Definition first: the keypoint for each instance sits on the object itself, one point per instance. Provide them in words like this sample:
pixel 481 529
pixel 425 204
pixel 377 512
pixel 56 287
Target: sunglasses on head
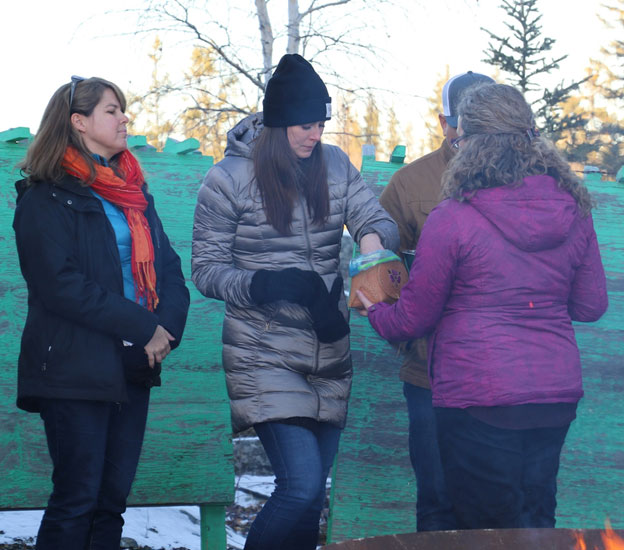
pixel 74 81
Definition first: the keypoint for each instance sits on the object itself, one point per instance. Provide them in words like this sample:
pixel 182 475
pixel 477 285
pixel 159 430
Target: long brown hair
pixel 281 176
pixel 44 157
pixel 504 147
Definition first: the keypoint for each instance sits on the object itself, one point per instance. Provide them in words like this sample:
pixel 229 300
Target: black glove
pixel 292 284
pixel 328 321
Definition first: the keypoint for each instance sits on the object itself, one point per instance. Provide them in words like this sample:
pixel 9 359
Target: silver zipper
pixel 44 367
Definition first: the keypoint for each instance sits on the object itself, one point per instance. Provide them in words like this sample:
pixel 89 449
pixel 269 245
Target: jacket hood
pixel 240 138
pixel 534 215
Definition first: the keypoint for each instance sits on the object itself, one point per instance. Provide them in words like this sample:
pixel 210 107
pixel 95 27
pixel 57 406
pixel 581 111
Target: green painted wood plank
pixel 189 145
pixel 136 142
pixel 15 134
pixel 398 154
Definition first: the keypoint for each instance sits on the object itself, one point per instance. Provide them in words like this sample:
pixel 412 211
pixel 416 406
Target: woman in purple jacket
pixel 503 267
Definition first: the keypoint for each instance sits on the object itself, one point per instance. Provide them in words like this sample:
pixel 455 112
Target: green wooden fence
pixel 187 456
pixel 373 490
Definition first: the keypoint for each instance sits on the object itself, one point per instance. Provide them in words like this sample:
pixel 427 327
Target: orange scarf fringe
pixel 125 193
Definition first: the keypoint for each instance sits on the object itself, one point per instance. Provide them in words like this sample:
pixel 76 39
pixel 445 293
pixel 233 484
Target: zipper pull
pixel 44 367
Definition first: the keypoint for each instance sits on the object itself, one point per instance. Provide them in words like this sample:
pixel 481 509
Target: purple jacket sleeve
pixel 431 278
pixel 588 296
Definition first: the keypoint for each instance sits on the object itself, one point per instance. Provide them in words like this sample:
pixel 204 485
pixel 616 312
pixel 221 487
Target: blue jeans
pixel 499 478
pixel 434 511
pixel 95 448
pixel 301 460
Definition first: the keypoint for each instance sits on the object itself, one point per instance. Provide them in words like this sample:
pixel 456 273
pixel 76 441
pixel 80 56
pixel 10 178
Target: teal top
pixel 117 219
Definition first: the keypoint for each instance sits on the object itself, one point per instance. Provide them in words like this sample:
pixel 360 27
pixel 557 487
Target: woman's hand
pixel 369 243
pixel 158 347
pixel 367 303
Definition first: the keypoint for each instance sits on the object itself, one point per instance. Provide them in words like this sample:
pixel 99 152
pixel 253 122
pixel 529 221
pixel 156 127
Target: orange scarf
pixel 125 193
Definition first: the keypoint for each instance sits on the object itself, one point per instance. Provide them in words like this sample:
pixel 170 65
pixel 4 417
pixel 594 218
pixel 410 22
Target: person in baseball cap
pixel 412 193
pixel 451 93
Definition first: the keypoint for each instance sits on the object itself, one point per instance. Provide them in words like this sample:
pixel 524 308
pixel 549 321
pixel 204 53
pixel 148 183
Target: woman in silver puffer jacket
pixel 266 240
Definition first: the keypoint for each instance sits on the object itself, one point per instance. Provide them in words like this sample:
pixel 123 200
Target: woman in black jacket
pixel 106 304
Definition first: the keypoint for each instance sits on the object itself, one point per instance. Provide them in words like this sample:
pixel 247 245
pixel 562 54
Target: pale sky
pixel 44 42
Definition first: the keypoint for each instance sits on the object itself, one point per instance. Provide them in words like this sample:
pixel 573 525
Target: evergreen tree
pixel 371 123
pixel 601 141
pixel 607 84
pixel 612 68
pixel 411 151
pixel 347 133
pixel 522 53
pixel 597 141
pixel 212 94
pixel 146 113
pixel 434 136
pixel 393 135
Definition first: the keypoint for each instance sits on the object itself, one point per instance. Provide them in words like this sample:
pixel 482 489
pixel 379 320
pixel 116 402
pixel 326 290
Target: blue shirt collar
pixel 100 159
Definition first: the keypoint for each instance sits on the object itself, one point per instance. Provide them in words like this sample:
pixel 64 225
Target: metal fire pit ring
pixel 481 539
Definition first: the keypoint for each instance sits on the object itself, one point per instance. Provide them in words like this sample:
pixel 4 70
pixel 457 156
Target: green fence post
pixel 212 521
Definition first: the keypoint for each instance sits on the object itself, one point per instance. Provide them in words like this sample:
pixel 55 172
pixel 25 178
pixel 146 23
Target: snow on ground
pixel 156 527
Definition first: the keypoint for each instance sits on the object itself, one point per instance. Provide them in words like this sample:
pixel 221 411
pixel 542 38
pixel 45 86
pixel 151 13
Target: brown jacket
pixel 412 193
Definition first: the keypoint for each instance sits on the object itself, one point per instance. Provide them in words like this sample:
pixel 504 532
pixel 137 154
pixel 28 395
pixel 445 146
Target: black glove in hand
pixel 328 321
pixel 292 284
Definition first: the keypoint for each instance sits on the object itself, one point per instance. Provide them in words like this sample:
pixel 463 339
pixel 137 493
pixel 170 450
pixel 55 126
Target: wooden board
pixel 374 490
pixel 187 455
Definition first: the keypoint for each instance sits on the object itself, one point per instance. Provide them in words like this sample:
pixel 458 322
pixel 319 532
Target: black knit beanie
pixel 295 94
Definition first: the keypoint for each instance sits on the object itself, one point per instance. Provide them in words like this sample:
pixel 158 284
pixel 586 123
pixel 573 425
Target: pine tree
pixel 612 69
pixel 522 53
pixel 393 135
pixel 601 141
pixel 607 83
pixel 347 132
pixel 212 114
pixel 434 137
pixel 411 151
pixel 371 123
pixel 146 112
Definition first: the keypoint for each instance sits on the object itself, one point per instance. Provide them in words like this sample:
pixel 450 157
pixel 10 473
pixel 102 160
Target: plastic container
pixel 380 275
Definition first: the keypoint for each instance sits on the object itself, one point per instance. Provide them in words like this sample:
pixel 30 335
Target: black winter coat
pixel 72 343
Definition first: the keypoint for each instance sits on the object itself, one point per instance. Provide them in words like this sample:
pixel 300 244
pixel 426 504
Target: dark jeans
pixel 301 460
pixel 434 511
pixel 95 448
pixel 499 478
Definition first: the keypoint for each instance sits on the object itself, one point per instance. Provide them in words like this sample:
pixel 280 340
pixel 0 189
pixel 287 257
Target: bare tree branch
pixel 233 61
pixel 314 7
pixel 266 39
pixel 220 49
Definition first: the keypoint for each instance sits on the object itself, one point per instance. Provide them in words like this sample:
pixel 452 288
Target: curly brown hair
pixel 504 147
